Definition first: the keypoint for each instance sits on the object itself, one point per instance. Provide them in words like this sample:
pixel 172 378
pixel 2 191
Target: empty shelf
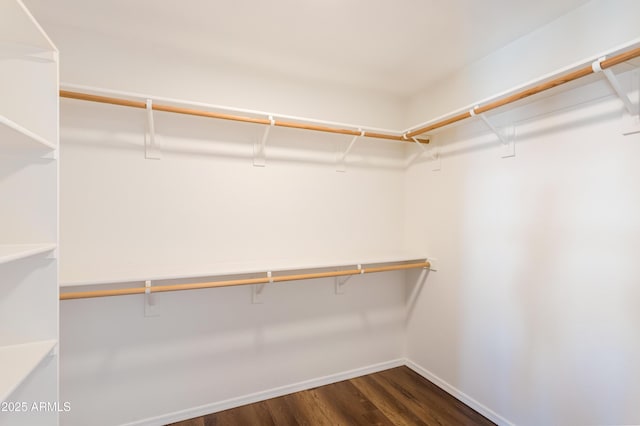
pixel 15 139
pixel 9 253
pixel 18 361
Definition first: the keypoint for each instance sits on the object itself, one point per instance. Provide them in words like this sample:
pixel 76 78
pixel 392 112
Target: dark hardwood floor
pixel 393 397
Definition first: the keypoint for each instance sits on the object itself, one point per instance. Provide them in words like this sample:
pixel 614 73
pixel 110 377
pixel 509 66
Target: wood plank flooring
pixel 397 396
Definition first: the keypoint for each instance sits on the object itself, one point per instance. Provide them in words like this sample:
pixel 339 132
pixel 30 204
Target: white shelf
pixel 26 52
pixel 243 268
pixel 15 139
pixel 19 27
pixel 9 253
pixel 18 361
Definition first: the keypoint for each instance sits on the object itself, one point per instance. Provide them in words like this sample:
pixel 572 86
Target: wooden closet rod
pixel 573 75
pixel 223 116
pixel 245 281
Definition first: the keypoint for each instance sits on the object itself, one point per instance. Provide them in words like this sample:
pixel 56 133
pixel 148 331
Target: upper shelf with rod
pixel 240 268
pixel 603 64
pixel 267 276
pixel 410 135
pixel 233 114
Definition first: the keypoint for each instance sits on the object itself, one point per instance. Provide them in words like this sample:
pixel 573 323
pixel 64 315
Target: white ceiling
pixel 395 46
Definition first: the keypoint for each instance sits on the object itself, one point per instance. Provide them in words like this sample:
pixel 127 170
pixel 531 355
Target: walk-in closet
pixel 328 213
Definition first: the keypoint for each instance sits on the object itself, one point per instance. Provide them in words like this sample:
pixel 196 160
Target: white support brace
pixel 151 147
pixel 339 283
pixel 506 136
pixel 257 289
pixel 256 293
pixel 434 154
pixel 341 160
pixel 259 157
pixel 151 308
pixel 631 123
pixel 433 262
pixel 615 84
pixel 613 80
pixel 420 145
pixel 414 156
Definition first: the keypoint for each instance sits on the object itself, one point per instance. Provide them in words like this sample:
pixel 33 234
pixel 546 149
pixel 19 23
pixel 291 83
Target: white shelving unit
pixel 28 216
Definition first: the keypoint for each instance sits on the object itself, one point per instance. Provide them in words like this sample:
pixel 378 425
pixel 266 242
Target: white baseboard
pixel 458 394
pixel 267 394
pixel 321 381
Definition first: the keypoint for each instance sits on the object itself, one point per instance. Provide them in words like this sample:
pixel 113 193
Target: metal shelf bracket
pixel 151 307
pixel 259 157
pixel 341 159
pixel 151 147
pixel 631 122
pixel 433 152
pixel 505 135
pixel 341 281
pixel 615 85
pixel 258 289
pixel 433 262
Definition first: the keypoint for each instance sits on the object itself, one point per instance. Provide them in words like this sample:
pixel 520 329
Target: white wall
pixel 534 310
pixel 531 313
pixel 204 201
pixel 202 204
pixel 583 33
pixel 132 65
pixel 209 346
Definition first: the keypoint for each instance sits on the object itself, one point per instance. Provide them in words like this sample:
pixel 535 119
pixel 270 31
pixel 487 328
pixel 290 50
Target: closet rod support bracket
pixel 151 307
pixel 258 289
pixel 631 123
pixel 152 149
pixel 341 281
pixel 596 66
pixel 341 157
pixel 433 152
pixel 505 135
pixel 259 156
pixel 433 263
pixel 256 293
pixel 417 142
